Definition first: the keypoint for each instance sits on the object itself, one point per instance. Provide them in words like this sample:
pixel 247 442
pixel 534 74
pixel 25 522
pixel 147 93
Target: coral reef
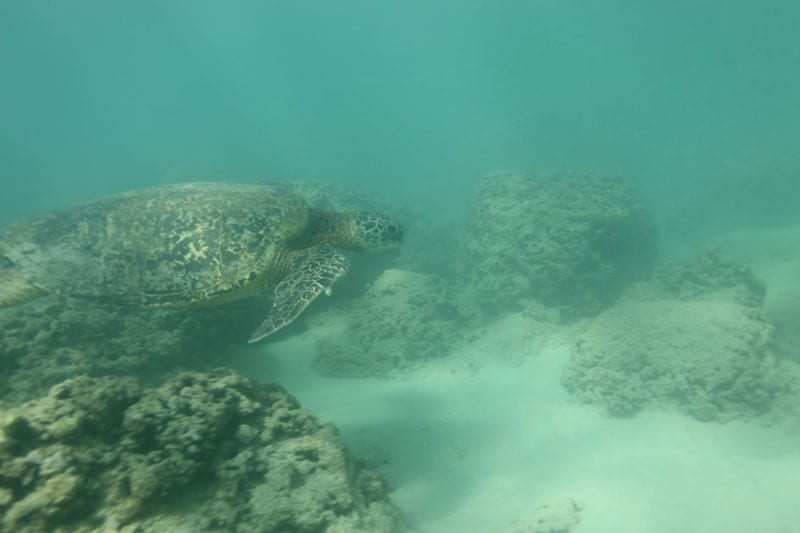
pixel 203 452
pixel 694 337
pixel 710 273
pixel 569 240
pixel 404 318
pixel 48 341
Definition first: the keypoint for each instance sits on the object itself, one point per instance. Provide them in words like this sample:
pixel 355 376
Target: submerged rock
pixel 49 341
pixel 710 273
pixel 204 452
pixel 403 319
pixel 571 241
pixel 694 338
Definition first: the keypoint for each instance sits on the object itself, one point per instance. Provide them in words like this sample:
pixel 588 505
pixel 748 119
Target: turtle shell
pixel 178 245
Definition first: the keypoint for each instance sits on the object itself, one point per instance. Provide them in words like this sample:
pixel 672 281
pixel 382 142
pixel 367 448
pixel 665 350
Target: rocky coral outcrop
pixel 403 319
pixel 710 274
pixel 46 342
pixel 204 452
pixel 694 338
pixel 571 241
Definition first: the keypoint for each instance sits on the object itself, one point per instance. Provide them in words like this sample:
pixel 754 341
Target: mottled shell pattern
pixel 180 245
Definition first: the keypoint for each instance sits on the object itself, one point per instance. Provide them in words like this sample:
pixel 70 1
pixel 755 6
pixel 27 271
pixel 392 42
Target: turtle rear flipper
pixel 315 271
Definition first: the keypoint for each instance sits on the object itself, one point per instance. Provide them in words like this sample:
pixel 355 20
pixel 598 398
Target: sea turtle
pixel 189 245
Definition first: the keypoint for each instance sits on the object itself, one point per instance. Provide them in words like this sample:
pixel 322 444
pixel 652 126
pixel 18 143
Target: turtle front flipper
pixel 14 287
pixel 314 272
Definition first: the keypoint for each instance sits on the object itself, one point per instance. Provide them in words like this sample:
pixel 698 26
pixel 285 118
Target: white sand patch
pixel 477 450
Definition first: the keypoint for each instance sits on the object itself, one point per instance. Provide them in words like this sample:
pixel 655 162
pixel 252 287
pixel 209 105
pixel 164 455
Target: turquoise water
pixel 696 104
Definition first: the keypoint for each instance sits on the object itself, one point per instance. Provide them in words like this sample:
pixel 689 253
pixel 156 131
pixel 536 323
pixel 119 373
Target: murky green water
pixel 695 105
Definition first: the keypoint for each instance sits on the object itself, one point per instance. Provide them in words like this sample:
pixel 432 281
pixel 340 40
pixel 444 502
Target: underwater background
pixel 695 103
pixel 462 119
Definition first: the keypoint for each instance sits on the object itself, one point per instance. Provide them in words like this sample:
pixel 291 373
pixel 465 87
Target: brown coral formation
pixel 404 319
pixel 694 338
pixel 204 452
pixel 571 241
pixel 57 338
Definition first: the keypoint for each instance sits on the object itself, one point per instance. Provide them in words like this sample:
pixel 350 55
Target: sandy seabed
pixel 479 447
pixel 487 438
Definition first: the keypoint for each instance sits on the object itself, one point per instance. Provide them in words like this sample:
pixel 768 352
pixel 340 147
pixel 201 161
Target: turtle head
pixel 375 231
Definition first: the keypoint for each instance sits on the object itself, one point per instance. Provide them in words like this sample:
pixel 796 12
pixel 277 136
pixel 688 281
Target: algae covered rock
pixel 204 452
pixel 403 319
pixel 710 273
pixel 570 240
pixel 49 341
pixel 694 338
